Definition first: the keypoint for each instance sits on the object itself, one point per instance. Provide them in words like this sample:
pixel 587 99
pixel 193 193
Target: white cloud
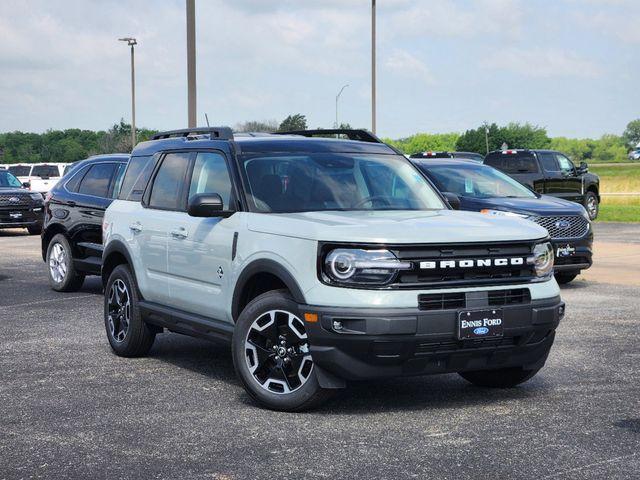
pixel 403 63
pixel 545 63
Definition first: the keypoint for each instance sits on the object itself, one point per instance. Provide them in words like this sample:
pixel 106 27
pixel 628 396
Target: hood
pixel 543 205
pixel 13 190
pixel 396 227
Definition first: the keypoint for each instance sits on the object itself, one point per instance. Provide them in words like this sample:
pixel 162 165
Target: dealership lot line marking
pixel 39 302
pixel 602 462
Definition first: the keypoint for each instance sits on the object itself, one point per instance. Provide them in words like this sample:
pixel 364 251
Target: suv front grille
pixel 565 226
pixel 466 264
pixel 458 300
pixel 6 200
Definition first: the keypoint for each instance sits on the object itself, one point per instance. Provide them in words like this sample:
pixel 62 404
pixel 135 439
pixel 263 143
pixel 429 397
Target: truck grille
pixel 6 200
pixel 464 264
pixel 566 226
pixel 457 300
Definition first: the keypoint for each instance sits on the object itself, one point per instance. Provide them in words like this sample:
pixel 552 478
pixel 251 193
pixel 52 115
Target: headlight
pixel 501 213
pixel 362 267
pixel 35 196
pixel 542 259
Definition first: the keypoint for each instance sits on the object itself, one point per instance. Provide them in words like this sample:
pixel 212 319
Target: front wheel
pixel 501 378
pixel 271 355
pixel 591 205
pixel 564 278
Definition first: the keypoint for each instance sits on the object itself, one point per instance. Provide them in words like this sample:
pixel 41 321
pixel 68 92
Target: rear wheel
pixel 271 355
pixel 591 205
pixel 128 334
pixel 63 276
pixel 564 278
pixel 501 378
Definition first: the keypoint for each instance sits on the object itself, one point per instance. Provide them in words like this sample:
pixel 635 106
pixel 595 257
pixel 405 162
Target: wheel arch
pixel 261 276
pixel 50 232
pixel 116 253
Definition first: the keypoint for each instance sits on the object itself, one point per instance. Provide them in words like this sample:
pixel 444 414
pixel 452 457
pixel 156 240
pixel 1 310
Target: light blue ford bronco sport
pixel 322 260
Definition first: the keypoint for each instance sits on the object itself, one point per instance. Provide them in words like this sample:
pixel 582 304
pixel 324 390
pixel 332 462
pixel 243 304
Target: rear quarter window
pixel 136 177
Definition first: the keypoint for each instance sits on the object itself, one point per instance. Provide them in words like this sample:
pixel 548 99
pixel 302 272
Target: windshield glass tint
pixel 475 181
pixel 8 180
pixel 329 181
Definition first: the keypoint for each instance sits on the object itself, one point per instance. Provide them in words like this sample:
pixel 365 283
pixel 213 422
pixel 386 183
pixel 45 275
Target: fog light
pixel 337 325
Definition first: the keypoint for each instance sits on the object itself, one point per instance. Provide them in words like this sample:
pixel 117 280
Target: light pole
pixel 132 43
pixel 486 136
pixel 191 62
pixel 373 66
pixel 338 98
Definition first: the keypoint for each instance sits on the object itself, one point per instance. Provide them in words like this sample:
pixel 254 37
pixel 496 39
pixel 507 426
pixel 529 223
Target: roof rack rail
pixel 222 133
pixel 352 134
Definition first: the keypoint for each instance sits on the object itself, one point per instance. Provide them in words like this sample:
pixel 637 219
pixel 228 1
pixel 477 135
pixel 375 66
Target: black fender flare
pixel 116 246
pixel 265 266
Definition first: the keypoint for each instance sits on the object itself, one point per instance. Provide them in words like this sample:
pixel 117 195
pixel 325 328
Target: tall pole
pixel 373 66
pixel 191 62
pixel 486 136
pixel 132 42
pixel 338 98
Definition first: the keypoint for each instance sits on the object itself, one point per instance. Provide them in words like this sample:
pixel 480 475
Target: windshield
pixel 477 181
pixel 330 181
pixel 8 180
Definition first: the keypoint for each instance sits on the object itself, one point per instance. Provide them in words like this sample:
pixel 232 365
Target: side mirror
pixel 205 205
pixel 453 200
pixel 26 185
pixel 584 168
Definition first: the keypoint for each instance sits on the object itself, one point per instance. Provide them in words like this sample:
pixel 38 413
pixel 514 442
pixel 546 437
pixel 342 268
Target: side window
pixel 548 162
pixel 566 165
pixel 210 175
pixel 96 181
pixel 167 188
pixel 117 182
pixel 520 164
pixel 136 177
pixel 74 182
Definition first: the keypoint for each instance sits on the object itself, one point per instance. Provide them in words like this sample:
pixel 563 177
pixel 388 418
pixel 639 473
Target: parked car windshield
pixel 330 181
pixel 477 181
pixel 8 180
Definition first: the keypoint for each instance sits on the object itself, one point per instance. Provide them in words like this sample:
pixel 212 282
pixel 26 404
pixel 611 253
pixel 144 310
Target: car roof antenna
pixel 206 117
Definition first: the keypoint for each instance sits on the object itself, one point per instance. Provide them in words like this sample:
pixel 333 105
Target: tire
pixel 564 278
pixel 63 277
pixel 591 204
pixel 35 230
pixel 501 378
pixel 128 334
pixel 284 379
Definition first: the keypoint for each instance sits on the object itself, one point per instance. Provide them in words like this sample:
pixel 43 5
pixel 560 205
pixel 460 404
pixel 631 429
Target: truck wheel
pixel 128 334
pixel 564 278
pixel 63 276
pixel 501 378
pixel 271 355
pixel 591 205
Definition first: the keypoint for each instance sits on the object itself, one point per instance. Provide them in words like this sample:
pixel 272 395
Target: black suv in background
pixel 19 208
pixel 476 157
pixel 551 173
pixel 72 234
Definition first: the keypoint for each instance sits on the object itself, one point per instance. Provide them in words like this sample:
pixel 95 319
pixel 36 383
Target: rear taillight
pixel 509 152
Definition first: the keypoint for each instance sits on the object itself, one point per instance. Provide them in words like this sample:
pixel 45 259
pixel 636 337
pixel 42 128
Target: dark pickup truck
pixel 551 173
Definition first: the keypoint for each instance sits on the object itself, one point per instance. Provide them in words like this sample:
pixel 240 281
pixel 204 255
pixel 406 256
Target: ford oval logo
pixel 481 330
pixel 14 200
pixel 563 224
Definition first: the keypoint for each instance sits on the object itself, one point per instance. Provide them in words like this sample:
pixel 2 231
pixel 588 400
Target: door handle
pixel 71 203
pixel 179 233
pixel 136 227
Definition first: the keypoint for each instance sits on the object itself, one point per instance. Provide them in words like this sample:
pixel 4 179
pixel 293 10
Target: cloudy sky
pixel 443 65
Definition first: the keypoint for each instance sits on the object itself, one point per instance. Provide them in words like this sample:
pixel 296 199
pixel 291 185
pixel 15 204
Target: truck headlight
pixel 542 259
pixel 36 196
pixel 362 267
pixel 502 213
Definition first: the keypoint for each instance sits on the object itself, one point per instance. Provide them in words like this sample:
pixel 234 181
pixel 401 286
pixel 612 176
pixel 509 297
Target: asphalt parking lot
pixel 69 408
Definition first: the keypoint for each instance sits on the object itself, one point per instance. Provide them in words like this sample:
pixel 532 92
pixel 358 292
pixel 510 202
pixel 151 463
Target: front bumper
pixel 27 217
pixel 378 343
pixel 579 259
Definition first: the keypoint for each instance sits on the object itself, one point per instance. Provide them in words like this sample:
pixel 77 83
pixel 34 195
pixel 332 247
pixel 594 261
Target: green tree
pixel 516 135
pixel 631 134
pixel 293 122
pixel 476 140
pixel 422 142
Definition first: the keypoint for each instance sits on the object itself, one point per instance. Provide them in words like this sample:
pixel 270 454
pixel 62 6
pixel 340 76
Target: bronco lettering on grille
pixel 470 263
